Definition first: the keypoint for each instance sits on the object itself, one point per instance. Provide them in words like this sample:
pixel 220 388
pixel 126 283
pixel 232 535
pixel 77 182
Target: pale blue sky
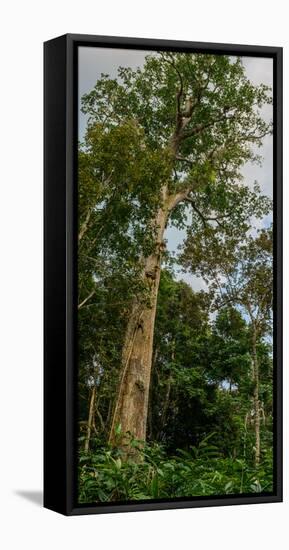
pixel 94 61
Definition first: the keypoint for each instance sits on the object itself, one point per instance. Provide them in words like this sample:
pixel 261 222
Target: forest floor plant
pixel 200 471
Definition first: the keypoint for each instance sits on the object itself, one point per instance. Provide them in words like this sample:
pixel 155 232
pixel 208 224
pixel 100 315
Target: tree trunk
pixel 256 396
pixel 131 406
pixel 166 403
pixel 149 433
pixel 90 420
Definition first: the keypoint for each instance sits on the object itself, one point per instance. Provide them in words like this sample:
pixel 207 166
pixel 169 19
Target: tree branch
pixel 201 127
pixel 184 159
pixel 204 218
pixel 85 300
pixel 180 91
pixel 84 226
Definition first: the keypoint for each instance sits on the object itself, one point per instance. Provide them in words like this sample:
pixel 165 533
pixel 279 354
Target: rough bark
pixel 131 406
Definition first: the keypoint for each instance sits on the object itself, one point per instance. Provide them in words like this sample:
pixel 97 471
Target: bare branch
pixel 84 226
pixel 203 218
pixel 85 300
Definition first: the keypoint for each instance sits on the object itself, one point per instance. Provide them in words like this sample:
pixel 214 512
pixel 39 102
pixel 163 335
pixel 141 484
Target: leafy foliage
pixel 201 471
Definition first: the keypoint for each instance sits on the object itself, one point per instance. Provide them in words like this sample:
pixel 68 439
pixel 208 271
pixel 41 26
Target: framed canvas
pixel 163 274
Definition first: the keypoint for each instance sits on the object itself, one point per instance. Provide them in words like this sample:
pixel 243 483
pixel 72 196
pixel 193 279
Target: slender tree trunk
pixel 167 395
pixel 256 396
pixel 131 406
pixel 150 405
pixel 165 409
pixel 90 420
pixel 108 416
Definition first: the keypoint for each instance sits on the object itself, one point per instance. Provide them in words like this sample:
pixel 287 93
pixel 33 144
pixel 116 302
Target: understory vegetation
pixel 200 471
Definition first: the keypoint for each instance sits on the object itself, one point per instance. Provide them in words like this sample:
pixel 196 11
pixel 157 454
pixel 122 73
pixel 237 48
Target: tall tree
pixel 188 122
pixel 240 274
pixel 252 287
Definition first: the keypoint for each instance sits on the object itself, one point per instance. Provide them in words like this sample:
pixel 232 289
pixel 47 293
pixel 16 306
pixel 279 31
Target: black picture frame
pixel 60 275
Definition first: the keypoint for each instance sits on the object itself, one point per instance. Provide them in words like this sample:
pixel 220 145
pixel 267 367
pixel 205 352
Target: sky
pixel 93 61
